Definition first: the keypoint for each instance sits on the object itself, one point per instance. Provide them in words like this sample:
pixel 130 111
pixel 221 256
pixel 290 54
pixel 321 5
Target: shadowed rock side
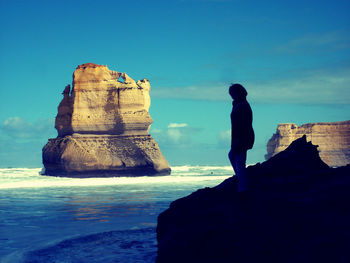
pixel 103 124
pixel 333 139
pixel 298 211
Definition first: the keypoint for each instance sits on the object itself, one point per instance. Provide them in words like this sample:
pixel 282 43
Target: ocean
pixel 53 219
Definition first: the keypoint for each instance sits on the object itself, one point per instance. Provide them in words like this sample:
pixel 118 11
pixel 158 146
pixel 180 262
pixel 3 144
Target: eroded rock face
pixel 333 139
pixel 99 103
pixel 103 124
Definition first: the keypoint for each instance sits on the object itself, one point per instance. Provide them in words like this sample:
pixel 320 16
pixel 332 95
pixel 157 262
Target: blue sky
pixel 292 56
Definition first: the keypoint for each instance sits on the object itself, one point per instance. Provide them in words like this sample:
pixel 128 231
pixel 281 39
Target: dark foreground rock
pixel 298 210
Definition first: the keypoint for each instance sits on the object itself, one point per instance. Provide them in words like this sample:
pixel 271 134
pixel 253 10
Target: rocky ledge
pixel 297 211
pixel 333 139
pixel 103 128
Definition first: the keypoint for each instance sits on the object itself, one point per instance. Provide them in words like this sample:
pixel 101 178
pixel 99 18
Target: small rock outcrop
pixel 333 139
pixel 297 211
pixel 103 124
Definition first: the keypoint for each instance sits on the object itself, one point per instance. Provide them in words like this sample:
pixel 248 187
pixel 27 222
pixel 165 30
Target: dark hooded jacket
pixel 242 133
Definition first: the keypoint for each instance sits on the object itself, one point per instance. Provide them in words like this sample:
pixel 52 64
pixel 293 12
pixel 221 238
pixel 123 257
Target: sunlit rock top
pixel 104 101
pixel 333 139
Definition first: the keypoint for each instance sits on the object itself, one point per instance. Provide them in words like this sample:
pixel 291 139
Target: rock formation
pixel 333 139
pixel 297 211
pixel 103 124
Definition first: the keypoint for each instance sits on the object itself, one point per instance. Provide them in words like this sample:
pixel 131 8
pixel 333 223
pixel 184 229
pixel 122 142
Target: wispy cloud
pixel 305 87
pixel 176 134
pixel 224 138
pixel 19 128
pixel 216 91
pixel 21 141
pixel 177 125
pixel 326 41
pixel 315 87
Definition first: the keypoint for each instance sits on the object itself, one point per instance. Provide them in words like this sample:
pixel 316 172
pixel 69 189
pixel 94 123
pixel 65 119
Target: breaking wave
pixel 12 178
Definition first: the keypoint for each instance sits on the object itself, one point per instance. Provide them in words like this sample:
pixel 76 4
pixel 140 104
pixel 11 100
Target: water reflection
pixel 102 208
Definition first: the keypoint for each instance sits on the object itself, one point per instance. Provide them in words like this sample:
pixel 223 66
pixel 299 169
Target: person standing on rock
pixel 242 134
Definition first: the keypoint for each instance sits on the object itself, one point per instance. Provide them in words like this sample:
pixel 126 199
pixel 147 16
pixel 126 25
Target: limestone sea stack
pixel 103 128
pixel 333 139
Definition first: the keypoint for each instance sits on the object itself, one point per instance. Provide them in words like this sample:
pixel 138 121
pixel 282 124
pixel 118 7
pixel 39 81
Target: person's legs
pixel 238 162
pixel 241 171
pixel 232 160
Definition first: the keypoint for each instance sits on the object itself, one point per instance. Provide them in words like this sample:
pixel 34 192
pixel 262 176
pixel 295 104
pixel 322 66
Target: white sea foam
pixel 198 167
pixel 11 178
pixel 59 182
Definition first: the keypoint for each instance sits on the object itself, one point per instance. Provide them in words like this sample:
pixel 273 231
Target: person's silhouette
pixel 242 133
